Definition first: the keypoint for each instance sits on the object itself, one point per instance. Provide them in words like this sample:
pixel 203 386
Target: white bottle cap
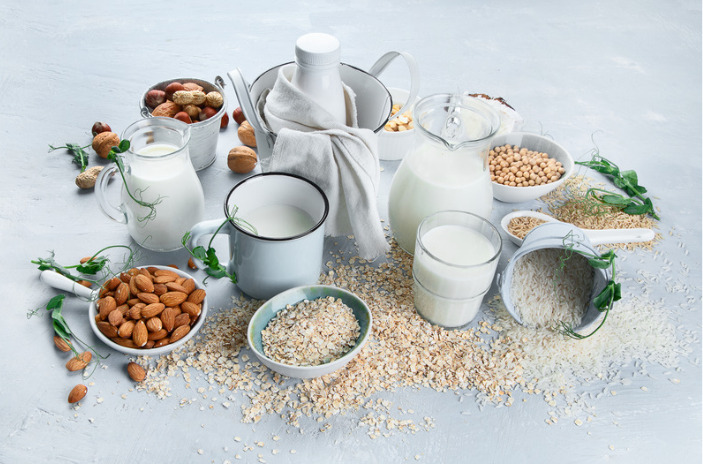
pixel 317 49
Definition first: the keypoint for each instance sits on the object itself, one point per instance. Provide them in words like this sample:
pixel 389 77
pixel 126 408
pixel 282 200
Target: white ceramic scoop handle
pixel 600 237
pixel 60 282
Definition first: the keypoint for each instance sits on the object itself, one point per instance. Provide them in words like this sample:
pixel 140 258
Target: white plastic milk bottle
pixel 317 58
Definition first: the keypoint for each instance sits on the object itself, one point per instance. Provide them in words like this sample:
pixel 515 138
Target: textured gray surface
pixel 624 74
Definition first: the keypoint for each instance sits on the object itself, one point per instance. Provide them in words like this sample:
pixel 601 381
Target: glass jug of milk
pixel 161 197
pixel 448 168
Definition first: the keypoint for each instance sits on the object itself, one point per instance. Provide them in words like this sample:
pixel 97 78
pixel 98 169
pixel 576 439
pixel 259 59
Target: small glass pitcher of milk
pixel 448 167
pixel 159 173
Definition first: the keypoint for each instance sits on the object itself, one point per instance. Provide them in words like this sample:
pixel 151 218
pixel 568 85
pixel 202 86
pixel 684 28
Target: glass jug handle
pixel 113 212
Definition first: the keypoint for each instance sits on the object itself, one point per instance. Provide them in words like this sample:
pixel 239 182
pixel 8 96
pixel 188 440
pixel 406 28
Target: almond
pixel 174 287
pixel 62 344
pixel 192 309
pixel 77 393
pixel 143 283
pixel 124 277
pixel 154 324
pixel 133 289
pixel 135 312
pixel 115 317
pixel 124 309
pixel 179 333
pixel 140 335
pixel 107 329
pixel 168 318
pixel 152 310
pixel 105 306
pixel 162 342
pixel 125 330
pixel 121 293
pixel 148 298
pixel 79 362
pixel 126 342
pixel 197 296
pixel 132 301
pixel 113 283
pixel 166 272
pixel 181 320
pixel 189 285
pixel 149 344
pixel 160 289
pixel 173 298
pixel 162 279
pixel 136 372
pixel 158 335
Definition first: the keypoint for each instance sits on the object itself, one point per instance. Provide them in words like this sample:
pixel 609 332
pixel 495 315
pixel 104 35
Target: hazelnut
pixel 224 121
pixel 183 97
pixel 207 113
pixel 86 179
pixel 100 127
pixel 167 109
pixel 246 134
pixel 238 115
pixel 193 111
pixel 154 98
pixel 192 86
pixel 103 143
pixel 183 116
pixel 241 160
pixel 214 99
pixel 172 88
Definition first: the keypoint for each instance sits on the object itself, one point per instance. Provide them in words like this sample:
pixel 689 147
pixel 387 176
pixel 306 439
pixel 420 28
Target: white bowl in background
pixel 394 146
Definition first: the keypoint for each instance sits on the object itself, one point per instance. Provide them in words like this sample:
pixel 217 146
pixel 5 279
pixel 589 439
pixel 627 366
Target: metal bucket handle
pixel 382 63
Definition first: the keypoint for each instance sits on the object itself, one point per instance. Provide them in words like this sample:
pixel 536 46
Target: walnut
pixel 104 141
pixel 246 134
pixel 241 159
pixel 167 109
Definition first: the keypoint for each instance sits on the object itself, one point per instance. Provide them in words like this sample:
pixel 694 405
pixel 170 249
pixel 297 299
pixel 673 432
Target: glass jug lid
pixel 455 121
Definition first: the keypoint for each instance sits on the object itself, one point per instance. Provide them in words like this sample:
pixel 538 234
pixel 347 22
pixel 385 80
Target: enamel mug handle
pixel 385 60
pixel 56 280
pixel 113 212
pixel 201 229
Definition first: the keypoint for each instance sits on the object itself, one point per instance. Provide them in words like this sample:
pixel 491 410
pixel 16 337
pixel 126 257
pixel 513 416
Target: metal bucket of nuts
pixel 193 101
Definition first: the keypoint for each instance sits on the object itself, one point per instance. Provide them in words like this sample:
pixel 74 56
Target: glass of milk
pixel 158 172
pixel 456 255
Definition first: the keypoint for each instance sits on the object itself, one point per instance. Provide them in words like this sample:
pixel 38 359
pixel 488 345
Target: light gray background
pixel 626 74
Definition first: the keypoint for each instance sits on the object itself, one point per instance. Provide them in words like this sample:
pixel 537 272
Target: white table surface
pixel 626 74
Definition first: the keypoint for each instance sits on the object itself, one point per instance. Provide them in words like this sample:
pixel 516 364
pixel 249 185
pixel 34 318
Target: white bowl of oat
pixel 309 331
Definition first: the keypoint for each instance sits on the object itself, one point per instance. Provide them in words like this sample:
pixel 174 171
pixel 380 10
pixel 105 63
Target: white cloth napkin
pixel 342 160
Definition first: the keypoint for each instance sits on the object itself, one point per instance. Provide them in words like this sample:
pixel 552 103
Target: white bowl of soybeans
pixel 525 166
pixel 397 137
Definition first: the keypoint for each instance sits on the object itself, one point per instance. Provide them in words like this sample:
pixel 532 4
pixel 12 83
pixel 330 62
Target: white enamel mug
pixel 288 213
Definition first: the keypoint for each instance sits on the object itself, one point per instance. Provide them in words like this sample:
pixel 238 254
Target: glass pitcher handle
pixel 113 212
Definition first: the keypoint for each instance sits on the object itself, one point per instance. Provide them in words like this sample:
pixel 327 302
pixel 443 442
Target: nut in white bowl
pixel 533 142
pixel 93 312
pixel 394 145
